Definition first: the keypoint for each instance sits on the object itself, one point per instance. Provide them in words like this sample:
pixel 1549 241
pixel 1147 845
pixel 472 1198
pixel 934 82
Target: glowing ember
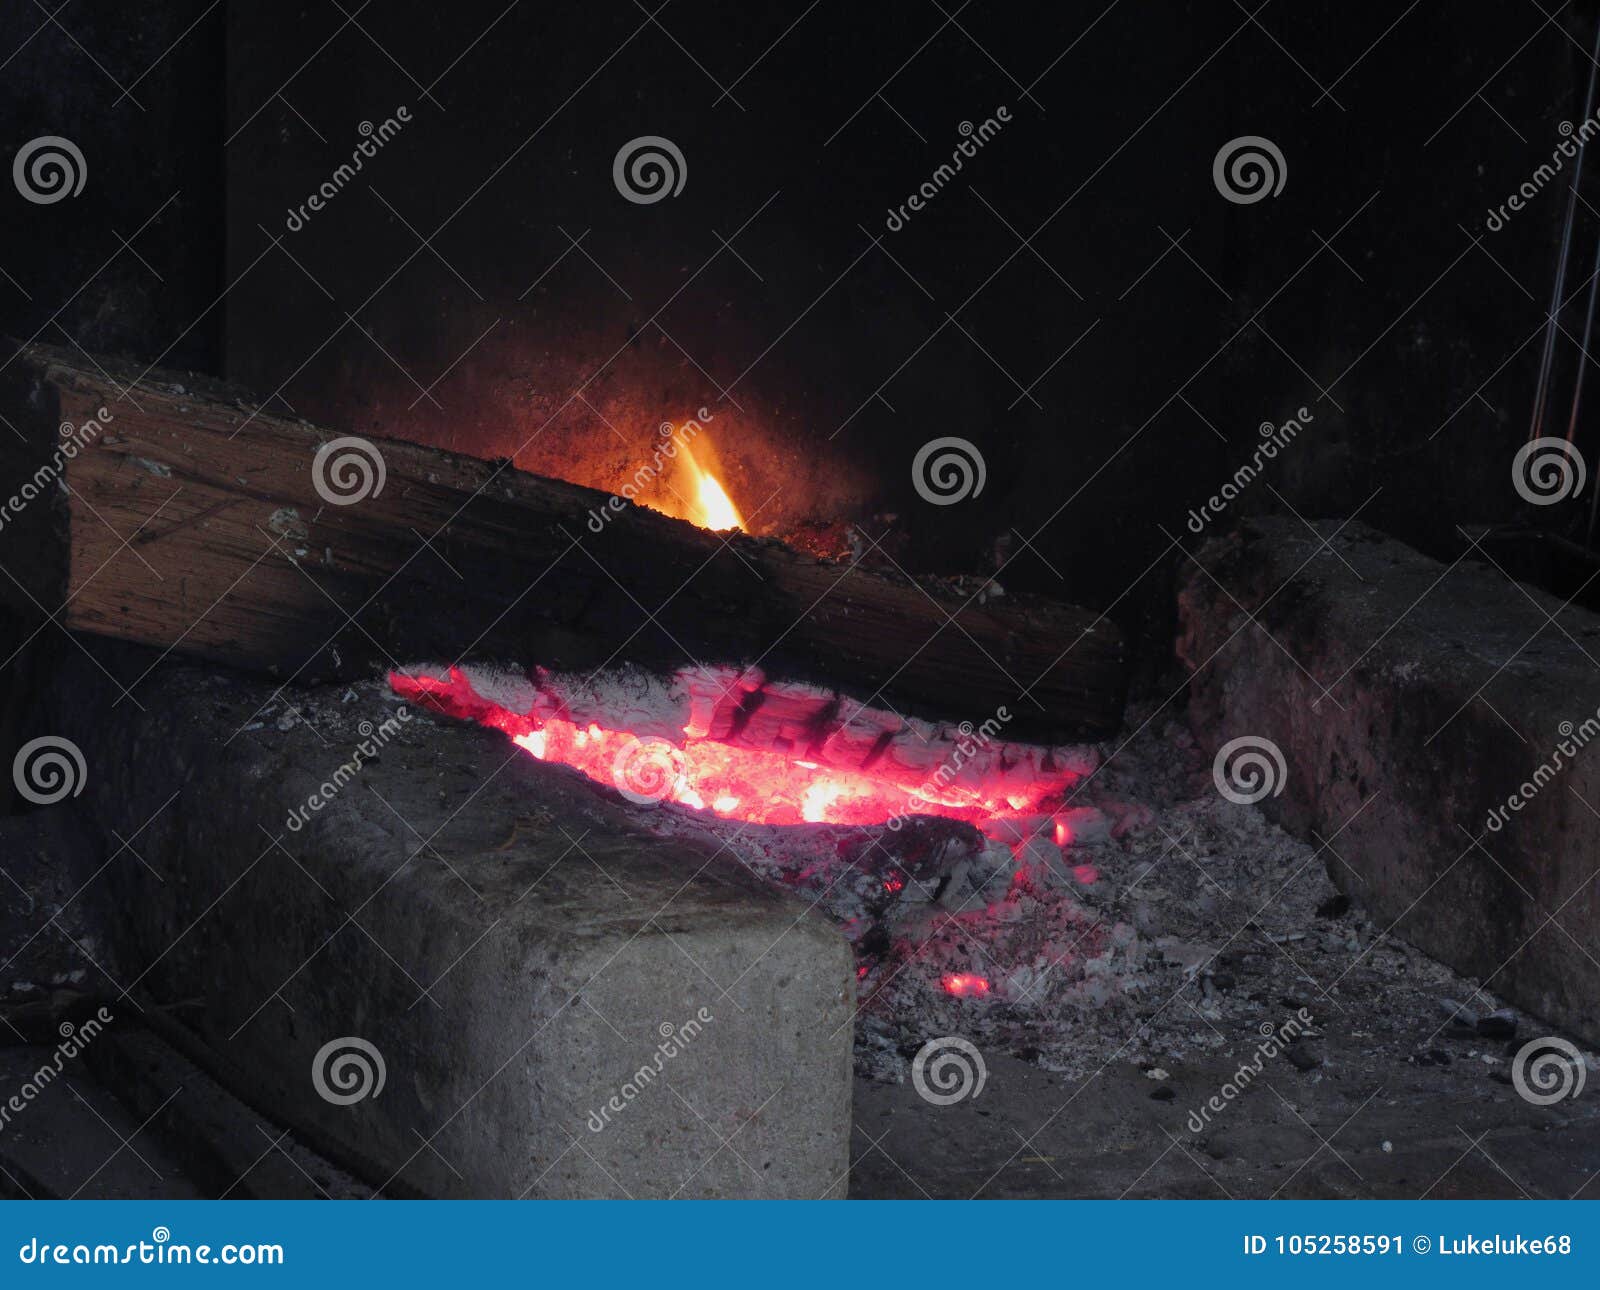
pixel 965 985
pixel 746 784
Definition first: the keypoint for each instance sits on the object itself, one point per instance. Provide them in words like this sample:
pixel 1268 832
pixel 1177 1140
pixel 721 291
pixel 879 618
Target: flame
pixel 710 507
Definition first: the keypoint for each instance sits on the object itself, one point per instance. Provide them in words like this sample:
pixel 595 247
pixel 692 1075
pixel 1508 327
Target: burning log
pixel 168 510
pixel 754 749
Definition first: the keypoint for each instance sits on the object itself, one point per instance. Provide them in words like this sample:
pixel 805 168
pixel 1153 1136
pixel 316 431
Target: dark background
pixel 828 348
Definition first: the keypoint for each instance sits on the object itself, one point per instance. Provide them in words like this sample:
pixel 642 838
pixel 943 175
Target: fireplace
pixel 611 603
pixel 471 774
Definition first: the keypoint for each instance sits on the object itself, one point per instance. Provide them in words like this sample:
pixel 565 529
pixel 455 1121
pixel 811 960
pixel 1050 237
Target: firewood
pixel 746 709
pixel 167 509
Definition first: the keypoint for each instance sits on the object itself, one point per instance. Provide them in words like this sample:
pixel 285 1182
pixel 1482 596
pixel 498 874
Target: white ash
pixel 1200 927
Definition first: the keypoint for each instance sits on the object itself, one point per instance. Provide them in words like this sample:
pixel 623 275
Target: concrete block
pixel 1413 702
pixel 560 1004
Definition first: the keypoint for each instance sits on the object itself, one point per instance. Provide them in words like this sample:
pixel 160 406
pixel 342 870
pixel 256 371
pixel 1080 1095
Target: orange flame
pixel 709 506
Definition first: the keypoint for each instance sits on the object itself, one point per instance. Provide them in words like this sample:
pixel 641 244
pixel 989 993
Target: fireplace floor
pixel 1452 1133
pixel 1109 1139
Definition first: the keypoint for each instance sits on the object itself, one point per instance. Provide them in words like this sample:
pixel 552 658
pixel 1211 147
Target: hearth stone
pixel 1449 688
pixel 528 961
